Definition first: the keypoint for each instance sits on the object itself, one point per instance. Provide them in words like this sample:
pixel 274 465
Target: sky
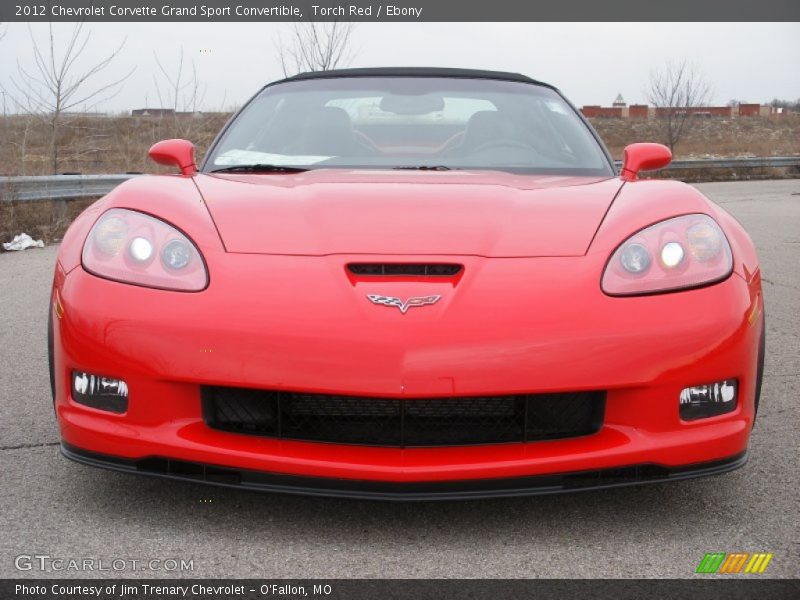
pixel 590 62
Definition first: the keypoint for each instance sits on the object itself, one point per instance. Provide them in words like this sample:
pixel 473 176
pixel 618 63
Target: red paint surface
pixel 645 156
pixel 175 153
pixel 526 315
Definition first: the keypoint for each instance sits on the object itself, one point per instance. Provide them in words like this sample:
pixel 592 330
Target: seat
pixel 327 131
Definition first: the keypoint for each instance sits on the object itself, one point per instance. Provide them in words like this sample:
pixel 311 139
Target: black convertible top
pixel 416 72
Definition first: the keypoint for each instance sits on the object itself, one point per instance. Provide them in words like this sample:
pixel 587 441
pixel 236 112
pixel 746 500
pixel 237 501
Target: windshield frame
pixel 207 167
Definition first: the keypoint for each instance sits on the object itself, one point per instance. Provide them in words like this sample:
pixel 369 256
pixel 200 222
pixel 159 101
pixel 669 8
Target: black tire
pixel 50 352
pixel 762 344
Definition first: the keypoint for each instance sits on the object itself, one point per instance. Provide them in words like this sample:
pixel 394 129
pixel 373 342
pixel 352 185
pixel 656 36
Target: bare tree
pixel 679 88
pixel 788 105
pixel 3 30
pixel 58 83
pixel 316 46
pixel 180 91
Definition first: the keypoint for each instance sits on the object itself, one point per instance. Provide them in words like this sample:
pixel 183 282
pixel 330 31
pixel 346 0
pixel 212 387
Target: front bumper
pixel 536 485
pixel 304 331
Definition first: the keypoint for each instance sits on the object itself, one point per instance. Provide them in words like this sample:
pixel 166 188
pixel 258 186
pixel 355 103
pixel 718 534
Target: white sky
pixel 590 62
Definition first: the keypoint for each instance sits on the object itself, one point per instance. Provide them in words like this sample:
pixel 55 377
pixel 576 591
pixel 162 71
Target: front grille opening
pixel 405 269
pixel 403 423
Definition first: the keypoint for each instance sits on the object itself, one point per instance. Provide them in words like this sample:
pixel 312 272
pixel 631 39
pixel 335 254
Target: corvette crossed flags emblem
pixel 398 303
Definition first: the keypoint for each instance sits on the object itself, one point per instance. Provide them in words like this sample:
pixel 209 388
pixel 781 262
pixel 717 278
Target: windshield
pixel 410 122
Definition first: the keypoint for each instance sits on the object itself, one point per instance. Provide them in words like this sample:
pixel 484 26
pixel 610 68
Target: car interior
pixel 368 128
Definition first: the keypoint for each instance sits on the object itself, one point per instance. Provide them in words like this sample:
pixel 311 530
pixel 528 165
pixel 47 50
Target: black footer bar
pixel 734 588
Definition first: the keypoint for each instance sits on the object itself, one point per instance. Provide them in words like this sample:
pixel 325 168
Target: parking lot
pixel 55 507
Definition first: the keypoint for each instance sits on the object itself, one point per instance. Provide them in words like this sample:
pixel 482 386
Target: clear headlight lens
pixel 141 249
pixel 111 234
pixel 176 255
pixel 691 251
pixel 635 259
pixel 704 241
pixel 672 254
pixel 122 246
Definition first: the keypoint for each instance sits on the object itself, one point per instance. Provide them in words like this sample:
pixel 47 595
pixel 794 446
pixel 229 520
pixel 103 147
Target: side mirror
pixel 644 157
pixel 175 153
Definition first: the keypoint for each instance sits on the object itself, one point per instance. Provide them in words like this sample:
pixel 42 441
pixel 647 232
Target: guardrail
pixel 68 187
pixel 58 187
pixel 731 163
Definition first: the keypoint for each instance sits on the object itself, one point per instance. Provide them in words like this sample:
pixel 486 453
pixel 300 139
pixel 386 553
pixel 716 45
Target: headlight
pixel 132 247
pixel 635 259
pixel 675 254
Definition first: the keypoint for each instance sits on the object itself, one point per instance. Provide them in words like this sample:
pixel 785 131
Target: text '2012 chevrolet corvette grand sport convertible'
pixel 407 284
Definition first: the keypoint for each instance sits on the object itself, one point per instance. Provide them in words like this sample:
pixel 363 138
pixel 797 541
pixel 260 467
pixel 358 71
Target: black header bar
pixel 400 10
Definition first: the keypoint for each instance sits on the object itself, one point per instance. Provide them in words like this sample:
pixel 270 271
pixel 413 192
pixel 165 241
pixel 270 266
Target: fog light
pixel 103 393
pixel 709 400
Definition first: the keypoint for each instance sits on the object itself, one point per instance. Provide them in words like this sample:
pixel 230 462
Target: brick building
pixel 619 109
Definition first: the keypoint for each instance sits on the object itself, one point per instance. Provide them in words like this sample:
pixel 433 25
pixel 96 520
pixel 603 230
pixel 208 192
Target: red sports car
pixel 407 284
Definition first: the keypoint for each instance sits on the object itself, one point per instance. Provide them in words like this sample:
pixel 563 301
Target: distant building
pixel 619 109
pixel 169 112
pixel 698 111
pixel 152 112
pixel 758 110
pixel 603 112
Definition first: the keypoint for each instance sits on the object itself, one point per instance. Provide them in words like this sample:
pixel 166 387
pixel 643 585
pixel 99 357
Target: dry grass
pixel 41 220
pixel 98 144
pixel 728 138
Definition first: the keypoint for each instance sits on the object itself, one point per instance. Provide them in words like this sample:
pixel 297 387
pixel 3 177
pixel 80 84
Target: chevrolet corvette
pixel 407 284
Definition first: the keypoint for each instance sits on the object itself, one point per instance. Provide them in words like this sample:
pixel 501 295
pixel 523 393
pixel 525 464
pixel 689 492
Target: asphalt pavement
pixel 50 506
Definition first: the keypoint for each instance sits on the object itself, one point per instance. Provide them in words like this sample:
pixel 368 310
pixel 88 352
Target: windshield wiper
pixel 425 168
pixel 260 168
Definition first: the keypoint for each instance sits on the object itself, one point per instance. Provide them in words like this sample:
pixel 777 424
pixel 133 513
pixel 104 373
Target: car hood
pixel 482 213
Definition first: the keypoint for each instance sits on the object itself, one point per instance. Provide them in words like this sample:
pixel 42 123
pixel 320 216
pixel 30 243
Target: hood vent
pixel 405 269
